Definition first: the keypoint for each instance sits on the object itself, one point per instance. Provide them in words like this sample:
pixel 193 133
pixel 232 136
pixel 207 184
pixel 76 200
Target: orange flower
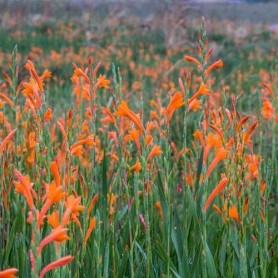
pixel 112 199
pixel 6 140
pixel 136 167
pixel 24 187
pixel 58 234
pixel 53 219
pixel 8 273
pixel 245 205
pixel 134 134
pixel 267 110
pixel 38 79
pixel 159 209
pixel 6 99
pixel 55 264
pixel 80 73
pixel 92 204
pixel 48 115
pixel 148 139
pixel 233 213
pixel 54 194
pixel 72 209
pixel 124 111
pixel 193 60
pixel 155 152
pixel 55 172
pixel 198 134
pixel 217 64
pixel 203 90
pixel 241 122
pixel 175 102
pixel 262 187
pixel 109 116
pixel 220 154
pixel 92 226
pixel 194 105
pixel 212 140
pixel 249 133
pixel 220 187
pixel 102 81
pixel 77 149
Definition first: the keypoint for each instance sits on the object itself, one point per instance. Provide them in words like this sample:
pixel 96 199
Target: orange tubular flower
pixel 220 154
pixel 72 209
pixel 109 118
pixel 124 111
pixel 249 132
pixel 194 105
pixel 212 140
pixel 155 152
pixel 267 110
pixel 233 213
pixel 262 187
pixel 59 234
pixel 55 264
pixel 54 194
pixel 38 79
pixel 217 64
pixel 193 60
pixel 6 140
pixel 220 187
pixel 8 273
pixel 6 99
pixel 92 204
pixel 159 209
pixel 24 187
pixel 87 141
pixel 203 90
pixel 92 226
pixel 175 102
pixel 103 82
pixel 55 172
pixel 198 134
pixel 80 73
pixel 48 115
pixel 53 219
pixel 136 167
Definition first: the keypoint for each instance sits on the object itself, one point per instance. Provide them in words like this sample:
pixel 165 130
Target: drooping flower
pixel 124 111
pixel 220 154
pixel 175 103
pixel 219 188
pixel 193 60
pixel 217 64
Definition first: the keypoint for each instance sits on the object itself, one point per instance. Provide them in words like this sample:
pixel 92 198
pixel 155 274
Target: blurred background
pixel 157 33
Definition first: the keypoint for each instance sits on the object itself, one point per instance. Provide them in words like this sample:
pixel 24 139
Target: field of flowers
pixel 129 152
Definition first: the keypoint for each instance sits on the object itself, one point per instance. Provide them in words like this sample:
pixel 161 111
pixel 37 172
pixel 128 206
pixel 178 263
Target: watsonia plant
pixel 108 190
